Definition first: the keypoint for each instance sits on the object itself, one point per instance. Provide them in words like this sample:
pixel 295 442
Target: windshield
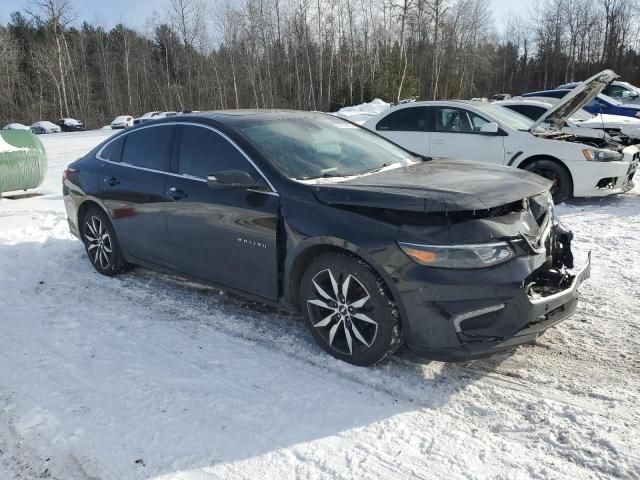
pixel 507 116
pixel 317 147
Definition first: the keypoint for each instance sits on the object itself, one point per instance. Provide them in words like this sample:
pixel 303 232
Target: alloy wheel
pixel 99 246
pixel 342 312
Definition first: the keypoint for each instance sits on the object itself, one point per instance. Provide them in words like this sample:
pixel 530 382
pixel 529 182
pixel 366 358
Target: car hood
pixel 435 186
pixel 581 95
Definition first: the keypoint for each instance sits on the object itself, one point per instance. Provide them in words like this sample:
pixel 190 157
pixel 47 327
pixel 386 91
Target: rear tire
pixel 562 188
pixel 101 244
pixel 349 311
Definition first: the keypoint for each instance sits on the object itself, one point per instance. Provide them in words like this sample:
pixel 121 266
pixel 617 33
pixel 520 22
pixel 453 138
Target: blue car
pixel 600 104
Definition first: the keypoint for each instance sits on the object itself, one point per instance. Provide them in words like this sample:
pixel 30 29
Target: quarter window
pixel 203 152
pixel 411 119
pixel 149 147
pixel 113 150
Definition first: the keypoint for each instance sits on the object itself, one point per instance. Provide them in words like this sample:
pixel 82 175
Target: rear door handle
pixel 176 193
pixel 112 181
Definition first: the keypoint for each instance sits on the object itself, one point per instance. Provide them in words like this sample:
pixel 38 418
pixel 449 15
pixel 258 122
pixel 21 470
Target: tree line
pixel 301 54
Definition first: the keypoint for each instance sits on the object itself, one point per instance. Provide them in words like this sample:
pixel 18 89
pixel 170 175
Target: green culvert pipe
pixel 23 160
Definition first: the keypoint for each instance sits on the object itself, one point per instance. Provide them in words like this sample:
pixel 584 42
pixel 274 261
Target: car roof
pixel 236 118
pixel 537 101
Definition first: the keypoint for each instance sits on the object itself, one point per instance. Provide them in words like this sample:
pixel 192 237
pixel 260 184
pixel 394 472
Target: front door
pixel 227 236
pixel 456 134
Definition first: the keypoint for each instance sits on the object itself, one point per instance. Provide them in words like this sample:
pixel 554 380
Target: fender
pixel 312 243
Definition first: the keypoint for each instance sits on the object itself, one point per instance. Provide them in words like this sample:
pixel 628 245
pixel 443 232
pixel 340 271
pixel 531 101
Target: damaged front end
pixel 481 311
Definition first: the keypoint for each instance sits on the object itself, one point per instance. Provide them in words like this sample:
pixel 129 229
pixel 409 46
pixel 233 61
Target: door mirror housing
pixel 490 128
pixel 234 179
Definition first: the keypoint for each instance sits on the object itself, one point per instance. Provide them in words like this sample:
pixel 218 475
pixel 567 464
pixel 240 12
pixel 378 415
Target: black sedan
pixel 70 125
pixel 375 246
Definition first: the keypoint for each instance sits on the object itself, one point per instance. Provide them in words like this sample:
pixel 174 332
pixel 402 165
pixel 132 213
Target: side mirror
pixel 490 128
pixel 633 94
pixel 233 179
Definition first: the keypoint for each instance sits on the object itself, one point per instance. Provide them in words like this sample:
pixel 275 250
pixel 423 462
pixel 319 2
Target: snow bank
pixel 147 377
pixel 363 112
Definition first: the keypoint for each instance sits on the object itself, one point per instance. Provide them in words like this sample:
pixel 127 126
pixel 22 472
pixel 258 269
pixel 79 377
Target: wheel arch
pixel 86 205
pixel 533 158
pixel 310 249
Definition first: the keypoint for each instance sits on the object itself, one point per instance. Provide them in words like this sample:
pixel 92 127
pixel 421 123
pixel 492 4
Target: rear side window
pixel 412 119
pixel 203 152
pixel 149 147
pixel 113 150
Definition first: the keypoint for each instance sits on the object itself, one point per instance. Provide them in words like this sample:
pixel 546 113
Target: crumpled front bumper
pixel 461 315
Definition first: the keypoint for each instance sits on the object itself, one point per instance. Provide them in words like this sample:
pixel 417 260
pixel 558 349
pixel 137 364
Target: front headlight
pixel 479 255
pixel 601 155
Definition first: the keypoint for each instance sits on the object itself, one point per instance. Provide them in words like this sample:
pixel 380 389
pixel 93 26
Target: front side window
pixel 305 148
pixel 616 91
pixel 457 120
pixel 411 119
pixel 203 152
pixel 149 147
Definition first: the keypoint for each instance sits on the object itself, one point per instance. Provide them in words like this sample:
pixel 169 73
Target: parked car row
pixel 44 126
pixel 126 121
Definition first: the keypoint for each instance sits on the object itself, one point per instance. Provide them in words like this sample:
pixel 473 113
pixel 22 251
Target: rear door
pixel 456 134
pixel 408 128
pixel 133 190
pixel 227 236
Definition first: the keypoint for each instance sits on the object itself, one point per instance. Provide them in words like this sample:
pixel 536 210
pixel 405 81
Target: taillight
pixel 65 174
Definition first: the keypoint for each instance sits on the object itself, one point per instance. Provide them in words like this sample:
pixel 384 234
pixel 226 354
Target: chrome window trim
pixel 187 177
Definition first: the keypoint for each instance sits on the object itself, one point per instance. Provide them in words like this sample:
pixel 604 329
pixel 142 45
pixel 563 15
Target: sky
pixel 134 13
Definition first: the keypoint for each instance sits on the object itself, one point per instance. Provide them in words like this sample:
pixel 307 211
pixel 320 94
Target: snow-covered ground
pixel 147 377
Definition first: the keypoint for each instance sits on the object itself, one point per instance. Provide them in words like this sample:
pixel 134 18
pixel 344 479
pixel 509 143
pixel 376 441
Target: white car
pixel 164 115
pixel 145 117
pixel 16 126
pixel 489 133
pixel 45 126
pixel 123 121
pixel 582 123
pixel 622 91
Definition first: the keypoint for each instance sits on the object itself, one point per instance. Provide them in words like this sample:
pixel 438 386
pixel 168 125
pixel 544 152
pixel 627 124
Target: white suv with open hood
pixel 489 133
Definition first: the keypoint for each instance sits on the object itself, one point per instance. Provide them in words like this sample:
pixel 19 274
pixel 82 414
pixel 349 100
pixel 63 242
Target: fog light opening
pixel 606 183
pixel 461 317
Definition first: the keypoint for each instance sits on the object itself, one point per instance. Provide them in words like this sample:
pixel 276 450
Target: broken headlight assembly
pixel 480 255
pixel 601 155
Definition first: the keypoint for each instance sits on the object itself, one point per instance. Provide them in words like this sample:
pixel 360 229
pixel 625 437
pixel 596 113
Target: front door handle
pixel 112 181
pixel 176 193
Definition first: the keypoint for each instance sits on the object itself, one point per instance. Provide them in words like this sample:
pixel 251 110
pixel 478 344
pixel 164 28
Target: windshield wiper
pixel 324 175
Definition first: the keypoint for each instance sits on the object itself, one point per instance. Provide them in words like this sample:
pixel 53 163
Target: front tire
pixel 101 244
pixel 562 188
pixel 348 310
